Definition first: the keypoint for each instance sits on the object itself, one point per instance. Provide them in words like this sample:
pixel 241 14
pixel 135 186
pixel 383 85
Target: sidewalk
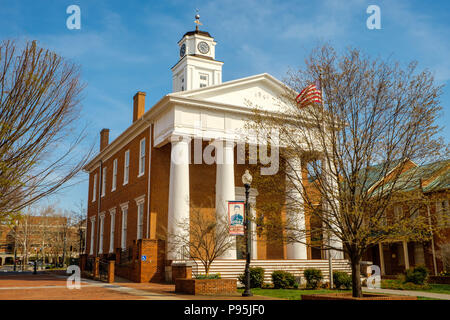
pixel 409 293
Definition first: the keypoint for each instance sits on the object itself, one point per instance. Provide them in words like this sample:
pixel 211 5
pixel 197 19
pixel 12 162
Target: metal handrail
pixel 103 269
pixel 89 267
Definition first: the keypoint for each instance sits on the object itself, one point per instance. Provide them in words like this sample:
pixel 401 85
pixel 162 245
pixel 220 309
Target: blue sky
pixel 129 46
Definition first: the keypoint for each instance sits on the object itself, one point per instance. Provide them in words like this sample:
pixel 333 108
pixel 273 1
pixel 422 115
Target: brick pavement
pixel 47 286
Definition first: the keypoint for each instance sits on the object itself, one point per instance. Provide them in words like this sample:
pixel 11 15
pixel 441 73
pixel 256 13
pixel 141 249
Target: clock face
pixel 183 50
pixel 203 47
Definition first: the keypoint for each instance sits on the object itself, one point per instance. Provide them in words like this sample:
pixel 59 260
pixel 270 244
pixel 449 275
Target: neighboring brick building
pixel 42 237
pixel 432 181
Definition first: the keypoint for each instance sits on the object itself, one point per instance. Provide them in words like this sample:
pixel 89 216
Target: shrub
pixel 282 279
pixel 324 285
pixel 342 280
pixel 418 275
pixel 208 276
pixel 313 278
pixel 256 277
pixel 267 286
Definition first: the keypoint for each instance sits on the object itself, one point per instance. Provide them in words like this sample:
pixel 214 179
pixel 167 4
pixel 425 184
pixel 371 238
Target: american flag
pixel 310 95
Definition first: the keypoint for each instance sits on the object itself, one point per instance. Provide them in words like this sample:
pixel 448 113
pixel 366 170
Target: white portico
pixel 202 108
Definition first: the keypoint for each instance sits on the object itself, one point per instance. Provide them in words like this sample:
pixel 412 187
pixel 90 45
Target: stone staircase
pixel 231 269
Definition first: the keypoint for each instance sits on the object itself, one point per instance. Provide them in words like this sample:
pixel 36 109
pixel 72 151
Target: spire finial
pixel 197 20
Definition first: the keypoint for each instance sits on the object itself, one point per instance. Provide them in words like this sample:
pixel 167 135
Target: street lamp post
pixel 247 180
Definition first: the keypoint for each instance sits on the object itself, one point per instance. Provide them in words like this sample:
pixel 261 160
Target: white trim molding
pixel 112 231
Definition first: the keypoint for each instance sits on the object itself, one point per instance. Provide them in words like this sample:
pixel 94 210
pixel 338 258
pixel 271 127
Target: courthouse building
pixel 150 176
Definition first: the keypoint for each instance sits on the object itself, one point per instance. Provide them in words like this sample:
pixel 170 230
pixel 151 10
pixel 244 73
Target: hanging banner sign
pixel 236 212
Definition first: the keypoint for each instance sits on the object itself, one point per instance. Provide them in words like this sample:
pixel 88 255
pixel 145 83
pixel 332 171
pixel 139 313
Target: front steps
pixel 231 269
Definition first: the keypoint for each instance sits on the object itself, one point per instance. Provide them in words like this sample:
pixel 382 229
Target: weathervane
pixel 197 20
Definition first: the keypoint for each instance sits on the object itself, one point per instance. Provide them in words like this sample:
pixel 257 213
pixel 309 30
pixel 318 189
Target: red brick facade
pixel 137 186
pixel 202 194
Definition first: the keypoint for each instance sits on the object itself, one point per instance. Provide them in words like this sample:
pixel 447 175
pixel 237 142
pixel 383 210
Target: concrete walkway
pixel 142 294
pixel 409 293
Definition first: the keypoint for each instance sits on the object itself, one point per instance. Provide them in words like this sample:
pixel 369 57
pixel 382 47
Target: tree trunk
pixel 356 277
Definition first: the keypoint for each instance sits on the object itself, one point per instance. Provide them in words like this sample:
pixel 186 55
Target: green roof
pixel 441 182
pixel 410 179
pixel 376 173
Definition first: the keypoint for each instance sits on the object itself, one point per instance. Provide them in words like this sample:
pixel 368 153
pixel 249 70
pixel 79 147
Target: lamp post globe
pixel 247 178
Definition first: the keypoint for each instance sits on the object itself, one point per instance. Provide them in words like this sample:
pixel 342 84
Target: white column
pixel 405 254
pixel 225 186
pixel 178 211
pixel 295 213
pixel 381 252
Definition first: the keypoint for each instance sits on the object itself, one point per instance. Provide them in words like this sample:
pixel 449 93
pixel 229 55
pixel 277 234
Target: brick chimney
pixel 104 139
pixel 138 105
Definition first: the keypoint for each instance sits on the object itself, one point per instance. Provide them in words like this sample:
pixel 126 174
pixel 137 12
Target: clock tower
pixel 197 67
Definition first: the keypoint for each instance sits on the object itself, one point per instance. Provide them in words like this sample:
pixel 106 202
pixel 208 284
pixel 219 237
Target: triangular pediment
pixel 262 91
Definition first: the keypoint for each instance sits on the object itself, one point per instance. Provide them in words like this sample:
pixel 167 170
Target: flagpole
pixel 330 259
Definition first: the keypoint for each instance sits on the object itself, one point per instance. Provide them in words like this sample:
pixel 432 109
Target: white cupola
pixel 197 67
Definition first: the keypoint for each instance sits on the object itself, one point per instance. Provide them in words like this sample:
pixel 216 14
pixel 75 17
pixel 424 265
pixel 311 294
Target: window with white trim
pixel 114 177
pixel 113 225
pixel 91 247
pixel 124 227
pixel 443 212
pixel 102 225
pixel 126 170
pixel 142 157
pixel 94 189
pixel 398 213
pixel 104 182
pixel 414 212
pixel 140 220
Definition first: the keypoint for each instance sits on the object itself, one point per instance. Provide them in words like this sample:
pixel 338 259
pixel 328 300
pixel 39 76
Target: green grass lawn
pixel 399 285
pixel 426 298
pixel 289 294
pixel 439 288
pixel 296 294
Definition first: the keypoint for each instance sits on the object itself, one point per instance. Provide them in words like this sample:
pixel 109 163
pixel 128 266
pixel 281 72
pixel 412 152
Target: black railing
pixel 89 267
pixel 126 256
pixel 103 270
